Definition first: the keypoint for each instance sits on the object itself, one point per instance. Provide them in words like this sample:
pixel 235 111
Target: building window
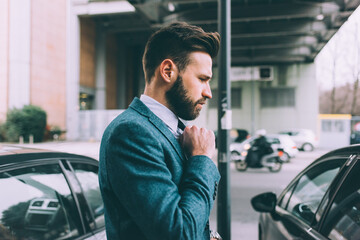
pixel 236 98
pixel 277 97
pixel 86 101
pixel 332 126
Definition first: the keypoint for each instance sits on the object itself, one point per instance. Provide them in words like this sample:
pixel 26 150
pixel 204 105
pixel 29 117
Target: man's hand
pixel 198 141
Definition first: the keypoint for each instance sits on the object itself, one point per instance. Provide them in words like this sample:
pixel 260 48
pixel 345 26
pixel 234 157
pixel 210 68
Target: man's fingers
pixel 198 141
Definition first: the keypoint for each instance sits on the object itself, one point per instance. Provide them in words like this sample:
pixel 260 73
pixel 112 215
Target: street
pixel 245 185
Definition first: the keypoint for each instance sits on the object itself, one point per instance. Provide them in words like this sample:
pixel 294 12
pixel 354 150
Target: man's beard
pixel 180 103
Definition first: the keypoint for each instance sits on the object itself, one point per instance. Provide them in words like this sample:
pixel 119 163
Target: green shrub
pixel 2 132
pixel 24 122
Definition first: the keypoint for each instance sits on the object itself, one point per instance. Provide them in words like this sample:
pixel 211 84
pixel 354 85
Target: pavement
pixel 87 148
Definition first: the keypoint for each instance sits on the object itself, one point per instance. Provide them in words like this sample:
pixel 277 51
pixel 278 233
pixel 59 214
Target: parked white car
pixel 305 139
pixel 276 140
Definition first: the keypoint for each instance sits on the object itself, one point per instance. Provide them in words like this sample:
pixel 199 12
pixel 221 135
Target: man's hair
pixel 176 41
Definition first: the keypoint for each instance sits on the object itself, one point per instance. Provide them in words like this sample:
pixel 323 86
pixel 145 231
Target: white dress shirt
pixel 162 112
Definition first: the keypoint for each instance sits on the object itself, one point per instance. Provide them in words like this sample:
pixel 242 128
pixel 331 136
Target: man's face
pixel 191 89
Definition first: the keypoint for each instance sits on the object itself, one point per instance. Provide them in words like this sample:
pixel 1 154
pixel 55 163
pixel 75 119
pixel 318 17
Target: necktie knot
pixel 180 129
pixel 181 125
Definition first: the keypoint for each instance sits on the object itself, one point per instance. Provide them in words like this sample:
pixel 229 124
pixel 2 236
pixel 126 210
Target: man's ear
pixel 168 70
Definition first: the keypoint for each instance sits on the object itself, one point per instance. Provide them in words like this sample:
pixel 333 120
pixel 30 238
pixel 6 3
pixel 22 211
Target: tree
pixel 340 68
pixel 356 72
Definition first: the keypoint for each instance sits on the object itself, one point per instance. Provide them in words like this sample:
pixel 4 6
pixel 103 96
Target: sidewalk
pixel 90 148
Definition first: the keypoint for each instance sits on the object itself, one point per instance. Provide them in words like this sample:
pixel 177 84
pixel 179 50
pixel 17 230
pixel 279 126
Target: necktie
pixel 180 129
pixel 181 125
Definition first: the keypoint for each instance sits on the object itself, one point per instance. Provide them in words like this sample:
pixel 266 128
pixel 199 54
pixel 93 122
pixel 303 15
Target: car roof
pixel 340 152
pixel 270 135
pixel 10 154
pixel 280 136
pixel 296 130
pixel 345 151
pixel 275 135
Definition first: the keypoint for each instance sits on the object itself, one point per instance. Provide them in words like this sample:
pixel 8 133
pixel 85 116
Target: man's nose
pixel 207 91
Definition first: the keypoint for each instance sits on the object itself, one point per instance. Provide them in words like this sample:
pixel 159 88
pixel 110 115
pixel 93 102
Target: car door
pixel 297 205
pixel 36 202
pixel 86 173
pixel 342 220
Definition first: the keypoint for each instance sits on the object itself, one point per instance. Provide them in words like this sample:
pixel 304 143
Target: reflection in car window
pixel 36 203
pixel 88 177
pixel 343 219
pixel 310 189
pixel 285 199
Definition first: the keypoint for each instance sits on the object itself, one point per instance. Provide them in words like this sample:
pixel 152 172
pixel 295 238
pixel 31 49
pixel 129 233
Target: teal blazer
pixel 150 190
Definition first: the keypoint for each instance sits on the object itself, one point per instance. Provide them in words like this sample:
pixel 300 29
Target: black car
pixel 49 195
pixel 322 202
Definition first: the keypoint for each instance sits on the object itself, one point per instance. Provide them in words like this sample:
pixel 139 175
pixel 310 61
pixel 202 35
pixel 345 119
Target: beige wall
pixel 87 53
pixel 48 59
pixel 111 77
pixel 4 56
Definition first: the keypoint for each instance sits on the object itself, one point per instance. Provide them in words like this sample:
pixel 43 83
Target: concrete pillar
pixel 121 76
pixel 19 53
pixel 100 68
pixel 4 50
pixel 72 73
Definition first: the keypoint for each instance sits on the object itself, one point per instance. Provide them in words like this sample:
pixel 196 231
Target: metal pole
pixel 252 107
pixel 224 121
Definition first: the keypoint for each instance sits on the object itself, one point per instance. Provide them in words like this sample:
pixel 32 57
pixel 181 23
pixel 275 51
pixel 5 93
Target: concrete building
pixel 33 57
pixel 80 60
pixel 286 99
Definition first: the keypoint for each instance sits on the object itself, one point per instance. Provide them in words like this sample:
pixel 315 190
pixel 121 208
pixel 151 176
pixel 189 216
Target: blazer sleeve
pixel 139 176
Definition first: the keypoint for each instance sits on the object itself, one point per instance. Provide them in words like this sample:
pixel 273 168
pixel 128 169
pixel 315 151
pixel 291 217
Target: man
pixel 259 149
pixel 157 181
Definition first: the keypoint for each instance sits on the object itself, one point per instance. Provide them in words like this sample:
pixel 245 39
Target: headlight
pixel 247 146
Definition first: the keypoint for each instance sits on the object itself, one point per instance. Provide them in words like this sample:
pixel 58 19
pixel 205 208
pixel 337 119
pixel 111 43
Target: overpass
pixel 262 31
pixel 273 47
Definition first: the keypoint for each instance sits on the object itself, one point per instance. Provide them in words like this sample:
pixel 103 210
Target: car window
pixel 88 178
pixel 306 193
pixel 272 140
pixel 285 199
pixel 36 203
pixel 343 219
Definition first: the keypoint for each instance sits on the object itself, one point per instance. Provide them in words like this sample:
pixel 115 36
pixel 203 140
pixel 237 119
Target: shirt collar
pixel 162 112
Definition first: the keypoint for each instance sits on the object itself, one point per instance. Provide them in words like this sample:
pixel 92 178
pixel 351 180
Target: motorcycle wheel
pixel 276 167
pixel 285 158
pixel 234 155
pixel 241 166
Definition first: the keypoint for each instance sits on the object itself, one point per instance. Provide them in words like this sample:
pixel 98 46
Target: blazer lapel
pixel 141 108
pixel 159 124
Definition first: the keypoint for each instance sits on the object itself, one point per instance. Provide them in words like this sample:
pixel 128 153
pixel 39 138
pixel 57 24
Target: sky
pixel 339 61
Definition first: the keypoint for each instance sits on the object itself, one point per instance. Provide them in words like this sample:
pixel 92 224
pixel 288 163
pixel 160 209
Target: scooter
pixel 271 161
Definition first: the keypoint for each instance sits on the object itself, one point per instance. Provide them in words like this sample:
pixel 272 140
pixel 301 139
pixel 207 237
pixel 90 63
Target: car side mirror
pixel 264 202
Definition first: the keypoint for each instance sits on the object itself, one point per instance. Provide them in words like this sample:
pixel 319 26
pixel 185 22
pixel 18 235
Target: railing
pixel 92 123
